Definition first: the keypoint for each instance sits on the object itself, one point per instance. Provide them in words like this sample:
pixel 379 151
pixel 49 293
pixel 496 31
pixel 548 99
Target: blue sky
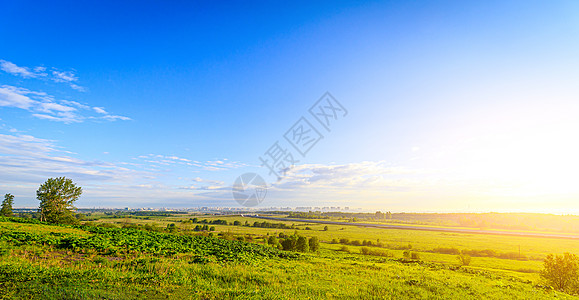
pixel 452 106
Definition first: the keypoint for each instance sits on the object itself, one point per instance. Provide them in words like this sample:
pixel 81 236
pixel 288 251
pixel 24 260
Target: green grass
pixel 33 269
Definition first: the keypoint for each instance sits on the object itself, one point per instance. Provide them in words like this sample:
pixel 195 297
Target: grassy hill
pixel 86 262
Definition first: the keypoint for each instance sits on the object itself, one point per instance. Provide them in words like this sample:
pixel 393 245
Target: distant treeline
pixel 441 250
pixel 238 223
pixel 481 253
pixel 507 221
pixel 120 213
pixel 341 215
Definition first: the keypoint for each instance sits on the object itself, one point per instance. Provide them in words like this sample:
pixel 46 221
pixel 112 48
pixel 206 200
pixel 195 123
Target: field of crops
pixel 92 262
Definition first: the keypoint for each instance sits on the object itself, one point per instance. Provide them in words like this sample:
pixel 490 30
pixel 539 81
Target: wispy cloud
pixel 210 165
pixel 25 158
pixel 365 175
pixel 66 76
pixel 44 106
pixel 201 184
pixel 54 74
pixel 26 161
pixel 13 69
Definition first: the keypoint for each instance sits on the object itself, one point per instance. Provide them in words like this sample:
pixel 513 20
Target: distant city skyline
pixel 451 106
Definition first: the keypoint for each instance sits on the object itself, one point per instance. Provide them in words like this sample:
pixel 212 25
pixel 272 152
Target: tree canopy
pixel 562 272
pixel 6 209
pixel 57 196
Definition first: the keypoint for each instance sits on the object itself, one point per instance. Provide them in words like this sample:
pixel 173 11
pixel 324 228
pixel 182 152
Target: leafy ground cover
pixel 42 261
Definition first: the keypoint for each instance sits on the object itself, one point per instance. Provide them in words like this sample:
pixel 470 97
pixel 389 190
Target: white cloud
pixel 365 175
pixel 100 110
pixel 114 118
pixel 55 75
pixel 14 97
pixel 78 87
pixel 64 76
pixel 27 161
pixel 210 165
pixel 202 184
pixel 13 69
pixel 44 106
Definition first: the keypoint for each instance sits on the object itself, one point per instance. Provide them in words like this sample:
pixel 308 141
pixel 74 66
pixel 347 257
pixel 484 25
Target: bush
pixel 443 250
pixel 314 243
pixel 561 272
pixel 411 255
pixel 302 244
pixel 464 259
pixel 356 243
pixel 374 252
pixel 272 240
pixel 289 244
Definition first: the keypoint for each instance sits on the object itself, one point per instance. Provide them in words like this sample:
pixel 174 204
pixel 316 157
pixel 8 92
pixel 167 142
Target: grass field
pixel 55 262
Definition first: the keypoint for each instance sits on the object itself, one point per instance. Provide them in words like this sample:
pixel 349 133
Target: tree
pixel 289 244
pixel 302 244
pixel 272 240
pixel 314 244
pixel 562 271
pixel 325 228
pixel 57 196
pixel 6 209
pixel 463 259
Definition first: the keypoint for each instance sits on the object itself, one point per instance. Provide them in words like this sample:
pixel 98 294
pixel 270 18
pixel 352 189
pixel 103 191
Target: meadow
pixel 164 256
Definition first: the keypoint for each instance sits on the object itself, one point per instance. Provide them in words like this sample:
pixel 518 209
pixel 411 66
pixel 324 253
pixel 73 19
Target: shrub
pixel 443 250
pixel 374 252
pixel 415 255
pixel 463 259
pixel 356 243
pixel 302 244
pixel 272 240
pixel 289 244
pixel 345 249
pixel 561 272
pixel 314 243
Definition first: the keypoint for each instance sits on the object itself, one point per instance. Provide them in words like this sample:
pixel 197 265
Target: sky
pixel 415 106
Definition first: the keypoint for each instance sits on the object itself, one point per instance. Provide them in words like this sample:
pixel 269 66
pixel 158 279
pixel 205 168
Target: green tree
pixel 562 272
pixel 57 196
pixel 314 244
pixel 325 228
pixel 302 244
pixel 6 209
pixel 272 240
pixel 464 259
pixel 289 244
